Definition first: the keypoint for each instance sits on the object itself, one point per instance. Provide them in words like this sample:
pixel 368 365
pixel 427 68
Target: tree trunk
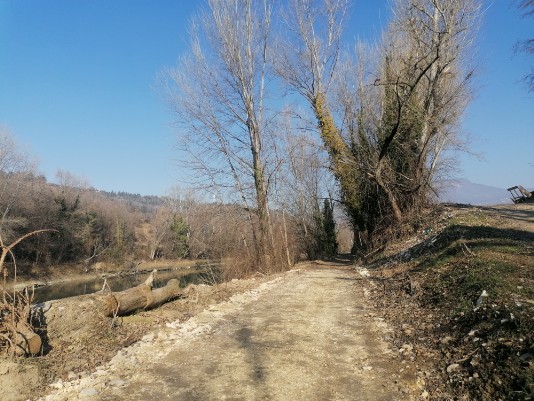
pixel 27 342
pixel 395 208
pixel 112 304
pixel 73 323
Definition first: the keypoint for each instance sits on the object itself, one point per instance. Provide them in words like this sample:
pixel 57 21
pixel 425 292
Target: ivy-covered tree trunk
pixel 329 228
pixel 343 162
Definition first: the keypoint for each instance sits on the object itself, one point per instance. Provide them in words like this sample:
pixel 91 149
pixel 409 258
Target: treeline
pixel 87 226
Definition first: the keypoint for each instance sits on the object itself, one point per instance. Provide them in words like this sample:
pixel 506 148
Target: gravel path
pixel 307 335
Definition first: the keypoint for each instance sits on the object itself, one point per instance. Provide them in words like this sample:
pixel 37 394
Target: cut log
pixel 27 342
pixel 142 297
pixel 113 304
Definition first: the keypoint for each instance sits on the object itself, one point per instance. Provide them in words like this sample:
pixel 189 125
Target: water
pixel 120 283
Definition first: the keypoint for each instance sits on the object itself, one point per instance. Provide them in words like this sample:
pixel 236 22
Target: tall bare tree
pixel 302 182
pixel 219 93
pixel 309 54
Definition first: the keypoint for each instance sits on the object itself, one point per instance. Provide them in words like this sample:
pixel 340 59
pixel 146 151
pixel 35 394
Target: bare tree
pixel 65 178
pixel 15 169
pixel 527 7
pixel 302 182
pixel 308 59
pixel 219 92
pixel 158 231
pixel 13 159
pixel 424 80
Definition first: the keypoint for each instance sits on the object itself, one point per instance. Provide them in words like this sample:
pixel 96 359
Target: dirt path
pixel 520 216
pixel 307 335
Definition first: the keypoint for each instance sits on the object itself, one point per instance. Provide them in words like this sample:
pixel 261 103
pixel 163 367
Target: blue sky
pixel 77 86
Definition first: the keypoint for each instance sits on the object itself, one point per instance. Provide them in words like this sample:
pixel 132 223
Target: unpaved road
pixel 521 216
pixel 306 335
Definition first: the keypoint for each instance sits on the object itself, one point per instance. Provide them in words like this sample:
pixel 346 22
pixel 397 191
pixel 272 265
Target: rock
pixel 406 348
pixel 117 383
pixel 58 384
pixel 453 367
pixel 88 392
pixel 446 340
pixel 480 299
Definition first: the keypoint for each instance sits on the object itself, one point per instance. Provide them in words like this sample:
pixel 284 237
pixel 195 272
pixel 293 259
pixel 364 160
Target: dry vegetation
pixel 460 345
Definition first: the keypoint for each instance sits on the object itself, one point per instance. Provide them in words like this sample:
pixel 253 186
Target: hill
pixel 469 193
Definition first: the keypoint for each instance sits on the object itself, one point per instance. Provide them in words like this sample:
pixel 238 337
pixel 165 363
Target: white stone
pixel 117 383
pixel 453 367
pixel 88 392
pixel 58 384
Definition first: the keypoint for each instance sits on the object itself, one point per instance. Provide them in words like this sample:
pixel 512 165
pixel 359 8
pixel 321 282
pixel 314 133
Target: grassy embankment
pixel 480 346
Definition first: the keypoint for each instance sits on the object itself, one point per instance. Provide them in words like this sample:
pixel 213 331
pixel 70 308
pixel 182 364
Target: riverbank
pixel 74 273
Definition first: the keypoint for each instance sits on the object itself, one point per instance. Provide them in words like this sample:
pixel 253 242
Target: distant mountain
pixel 467 192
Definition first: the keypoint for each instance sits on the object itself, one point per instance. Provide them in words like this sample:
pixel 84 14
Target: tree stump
pixel 27 342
